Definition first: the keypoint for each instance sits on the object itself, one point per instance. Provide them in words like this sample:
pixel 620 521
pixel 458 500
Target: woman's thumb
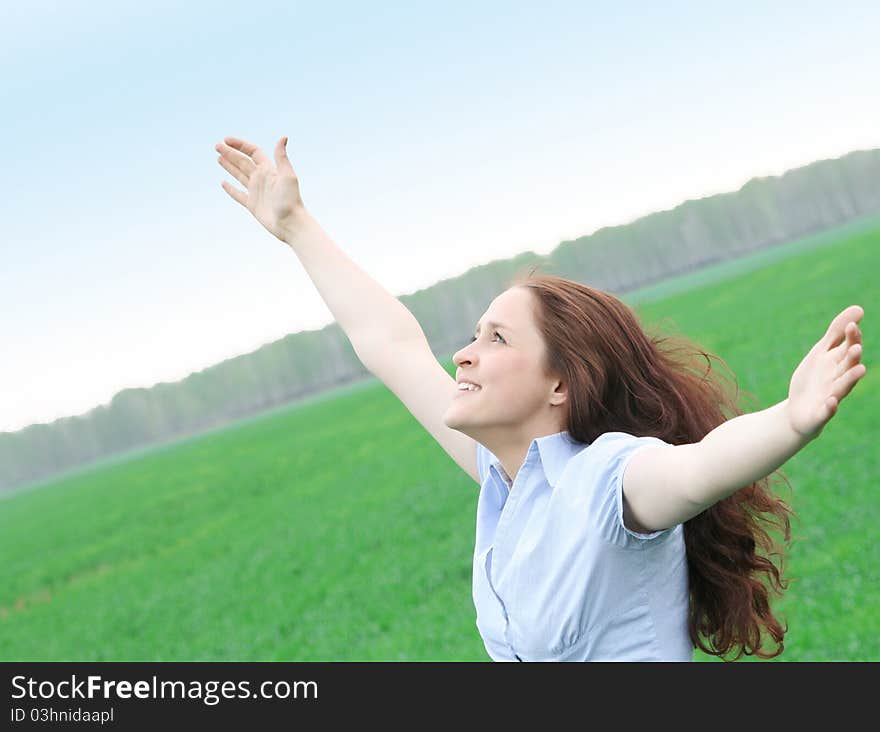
pixel 281 159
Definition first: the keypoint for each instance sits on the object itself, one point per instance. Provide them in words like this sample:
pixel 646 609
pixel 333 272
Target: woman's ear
pixel 560 394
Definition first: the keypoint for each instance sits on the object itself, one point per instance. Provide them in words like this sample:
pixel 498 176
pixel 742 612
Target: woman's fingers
pixel 854 354
pixel 844 385
pixel 837 329
pixel 239 176
pixel 850 359
pixel 239 160
pixel 238 195
pixel 248 148
pixel 851 336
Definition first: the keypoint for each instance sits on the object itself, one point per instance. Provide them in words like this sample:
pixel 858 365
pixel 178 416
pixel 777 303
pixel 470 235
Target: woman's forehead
pixel 512 308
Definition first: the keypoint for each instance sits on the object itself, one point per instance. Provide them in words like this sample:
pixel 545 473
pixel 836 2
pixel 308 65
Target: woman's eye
pixel 473 338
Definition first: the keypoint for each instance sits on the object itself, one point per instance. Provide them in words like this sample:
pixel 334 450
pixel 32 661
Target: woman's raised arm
pixel 372 318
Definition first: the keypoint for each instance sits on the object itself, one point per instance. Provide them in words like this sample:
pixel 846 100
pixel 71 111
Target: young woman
pixel 622 491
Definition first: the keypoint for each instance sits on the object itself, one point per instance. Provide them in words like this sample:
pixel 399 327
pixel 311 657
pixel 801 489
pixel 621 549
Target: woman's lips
pixel 459 392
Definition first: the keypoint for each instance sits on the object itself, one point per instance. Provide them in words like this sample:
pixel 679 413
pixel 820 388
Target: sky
pixel 427 138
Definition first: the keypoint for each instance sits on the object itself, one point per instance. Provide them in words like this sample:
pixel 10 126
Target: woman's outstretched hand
pixel 272 191
pixel 827 374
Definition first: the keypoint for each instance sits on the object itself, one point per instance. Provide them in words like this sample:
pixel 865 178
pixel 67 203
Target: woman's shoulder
pixel 611 443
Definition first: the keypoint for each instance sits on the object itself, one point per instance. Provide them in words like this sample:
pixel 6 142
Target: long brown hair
pixel 621 377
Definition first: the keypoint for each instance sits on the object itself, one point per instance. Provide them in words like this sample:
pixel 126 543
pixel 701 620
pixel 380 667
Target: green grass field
pixel 337 529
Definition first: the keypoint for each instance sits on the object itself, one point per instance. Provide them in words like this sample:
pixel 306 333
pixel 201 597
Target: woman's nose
pixel 461 356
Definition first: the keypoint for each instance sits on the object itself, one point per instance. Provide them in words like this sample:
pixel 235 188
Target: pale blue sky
pixel 428 137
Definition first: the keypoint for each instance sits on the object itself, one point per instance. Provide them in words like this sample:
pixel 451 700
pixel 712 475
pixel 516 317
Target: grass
pixel 337 529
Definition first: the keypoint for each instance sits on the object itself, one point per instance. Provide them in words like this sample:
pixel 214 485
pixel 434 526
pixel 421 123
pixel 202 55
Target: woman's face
pixel 505 359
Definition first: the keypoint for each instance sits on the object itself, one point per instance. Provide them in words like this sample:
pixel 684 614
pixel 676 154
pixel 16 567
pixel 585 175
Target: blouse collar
pixel 554 451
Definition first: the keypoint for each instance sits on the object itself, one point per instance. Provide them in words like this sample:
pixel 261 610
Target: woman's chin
pixel 453 419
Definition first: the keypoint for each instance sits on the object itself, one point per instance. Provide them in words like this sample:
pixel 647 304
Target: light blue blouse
pixel 558 577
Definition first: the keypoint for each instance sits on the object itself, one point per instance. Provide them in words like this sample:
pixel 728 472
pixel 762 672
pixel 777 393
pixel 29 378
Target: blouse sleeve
pixel 606 461
pixel 482 462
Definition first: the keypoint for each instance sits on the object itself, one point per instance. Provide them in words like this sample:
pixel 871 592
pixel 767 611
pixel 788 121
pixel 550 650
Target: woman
pixel 621 488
